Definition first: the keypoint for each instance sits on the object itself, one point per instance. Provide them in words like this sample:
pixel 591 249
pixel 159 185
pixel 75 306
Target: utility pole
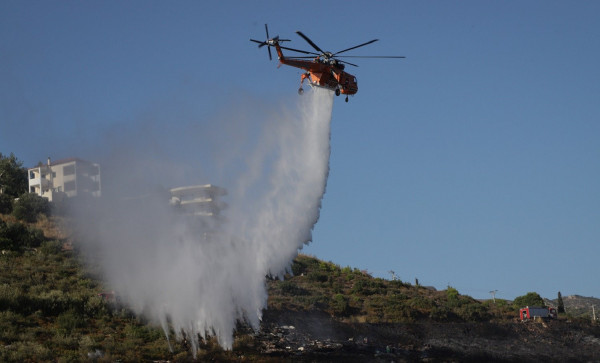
pixel 593 314
pixel 493 292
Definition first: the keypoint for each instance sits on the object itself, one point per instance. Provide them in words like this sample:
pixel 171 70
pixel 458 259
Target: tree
pixel 530 299
pixel 561 304
pixel 29 206
pixel 13 176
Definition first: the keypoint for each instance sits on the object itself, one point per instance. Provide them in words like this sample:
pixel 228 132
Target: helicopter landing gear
pixel 300 91
pixel 346 98
pixel 337 91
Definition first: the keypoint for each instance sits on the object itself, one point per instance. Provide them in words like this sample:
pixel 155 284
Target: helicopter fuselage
pixel 322 73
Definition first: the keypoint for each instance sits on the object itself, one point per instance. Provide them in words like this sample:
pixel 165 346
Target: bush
pixel 95 307
pixel 6 204
pixel 298 268
pixel 363 287
pixel 69 321
pixel 29 206
pixel 51 247
pixel 453 297
pixel 339 305
pixel 53 302
pixel 291 289
pixel 316 276
pixel 452 293
pixel 15 236
pixel 472 312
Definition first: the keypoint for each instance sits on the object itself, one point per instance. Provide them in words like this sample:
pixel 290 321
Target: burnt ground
pixel 316 336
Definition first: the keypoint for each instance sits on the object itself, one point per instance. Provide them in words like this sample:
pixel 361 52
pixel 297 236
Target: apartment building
pixel 65 178
pixel 199 200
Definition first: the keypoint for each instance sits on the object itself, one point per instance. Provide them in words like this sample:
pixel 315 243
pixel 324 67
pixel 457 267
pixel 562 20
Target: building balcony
pixel 41 182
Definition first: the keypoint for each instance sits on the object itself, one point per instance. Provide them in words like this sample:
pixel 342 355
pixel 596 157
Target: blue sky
pixel 474 162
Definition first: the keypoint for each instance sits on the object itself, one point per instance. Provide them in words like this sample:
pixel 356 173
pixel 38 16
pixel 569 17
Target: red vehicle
pixel 531 312
pixel 323 69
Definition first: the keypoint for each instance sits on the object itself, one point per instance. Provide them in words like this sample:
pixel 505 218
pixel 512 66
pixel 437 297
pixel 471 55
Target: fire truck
pixel 532 312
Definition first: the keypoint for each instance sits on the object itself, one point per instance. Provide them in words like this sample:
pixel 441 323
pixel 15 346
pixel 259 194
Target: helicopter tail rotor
pixel 269 42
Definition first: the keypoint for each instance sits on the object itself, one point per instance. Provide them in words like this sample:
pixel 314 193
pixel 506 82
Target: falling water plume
pixel 196 283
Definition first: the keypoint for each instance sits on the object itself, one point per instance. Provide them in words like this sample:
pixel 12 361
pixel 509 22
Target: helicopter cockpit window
pixel 354 79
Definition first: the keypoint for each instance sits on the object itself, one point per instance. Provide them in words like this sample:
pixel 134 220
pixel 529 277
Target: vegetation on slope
pixel 355 296
pixel 50 308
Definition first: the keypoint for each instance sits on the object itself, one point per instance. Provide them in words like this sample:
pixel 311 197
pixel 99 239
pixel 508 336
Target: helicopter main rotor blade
pixel 370 56
pixel 352 64
pixel 267 30
pixel 357 46
pixel 309 41
pixel 298 50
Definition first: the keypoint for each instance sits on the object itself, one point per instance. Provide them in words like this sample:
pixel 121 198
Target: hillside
pixel 50 310
pixel 579 306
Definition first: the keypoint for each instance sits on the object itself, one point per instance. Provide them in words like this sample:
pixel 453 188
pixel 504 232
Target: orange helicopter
pixel 324 69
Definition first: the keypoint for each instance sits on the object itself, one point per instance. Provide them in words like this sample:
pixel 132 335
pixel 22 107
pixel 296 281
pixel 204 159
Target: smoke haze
pixel 196 277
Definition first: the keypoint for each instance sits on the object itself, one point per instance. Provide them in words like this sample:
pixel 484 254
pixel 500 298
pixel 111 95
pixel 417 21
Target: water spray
pixel 194 283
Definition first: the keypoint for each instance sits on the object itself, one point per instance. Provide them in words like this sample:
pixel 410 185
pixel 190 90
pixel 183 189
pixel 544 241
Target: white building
pixel 199 200
pixel 65 178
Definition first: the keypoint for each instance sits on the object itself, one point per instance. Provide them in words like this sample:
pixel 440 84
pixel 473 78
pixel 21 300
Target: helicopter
pixel 324 69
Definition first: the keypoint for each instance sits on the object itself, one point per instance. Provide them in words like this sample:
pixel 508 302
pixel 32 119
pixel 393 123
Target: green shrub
pixel 472 312
pixel 95 307
pixel 15 236
pixel 339 305
pixel 440 313
pixel 421 303
pixel 51 247
pixel 453 297
pixel 317 276
pixel 298 267
pixel 361 287
pixel 25 351
pixel 6 204
pixel 396 309
pixel 142 332
pixel 69 321
pixel 53 302
pixel 378 285
pixel 12 298
pixel 291 289
pixel 29 206
pixel 452 293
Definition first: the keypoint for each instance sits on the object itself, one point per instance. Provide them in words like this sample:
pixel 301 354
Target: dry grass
pixel 53 227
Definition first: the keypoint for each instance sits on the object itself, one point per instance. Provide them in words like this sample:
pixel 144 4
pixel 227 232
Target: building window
pixel 70 186
pixel 69 169
pixel 32 190
pixel 31 175
pixel 54 174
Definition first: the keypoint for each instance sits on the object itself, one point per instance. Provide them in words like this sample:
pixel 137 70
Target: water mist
pixel 169 269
